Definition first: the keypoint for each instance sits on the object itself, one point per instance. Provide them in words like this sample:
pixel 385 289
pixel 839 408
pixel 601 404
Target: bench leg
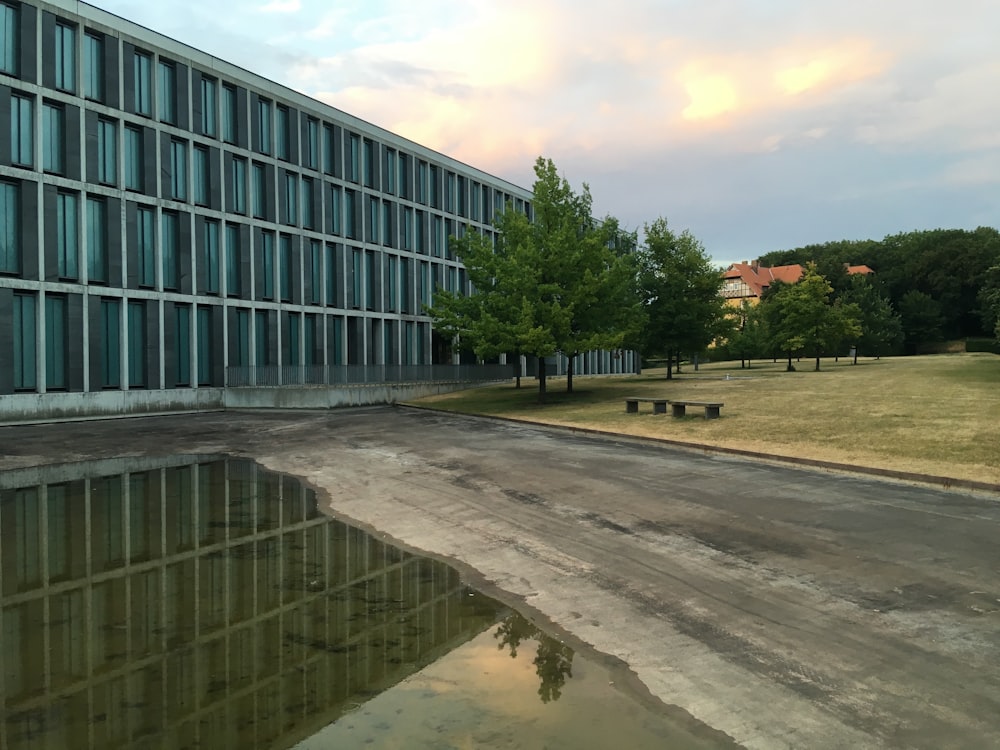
pixel 659 407
pixel 677 410
pixel 711 412
pixel 631 407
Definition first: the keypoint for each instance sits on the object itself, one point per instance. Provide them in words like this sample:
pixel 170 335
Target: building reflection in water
pixel 182 603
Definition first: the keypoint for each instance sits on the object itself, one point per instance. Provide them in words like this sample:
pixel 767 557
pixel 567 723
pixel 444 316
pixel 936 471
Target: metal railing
pixel 299 375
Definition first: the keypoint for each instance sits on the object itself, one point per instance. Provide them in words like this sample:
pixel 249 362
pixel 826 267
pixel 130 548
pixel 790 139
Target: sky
pixel 757 125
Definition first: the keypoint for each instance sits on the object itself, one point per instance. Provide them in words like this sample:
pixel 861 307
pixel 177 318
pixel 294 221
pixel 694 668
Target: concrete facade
pixel 165 215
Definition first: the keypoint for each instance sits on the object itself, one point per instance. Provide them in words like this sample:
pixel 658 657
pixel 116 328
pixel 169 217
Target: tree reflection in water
pixel 553 660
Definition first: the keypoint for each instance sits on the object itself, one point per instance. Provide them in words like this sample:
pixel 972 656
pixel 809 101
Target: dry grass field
pixel 937 415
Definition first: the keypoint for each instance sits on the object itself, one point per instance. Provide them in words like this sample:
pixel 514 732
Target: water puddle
pixel 210 604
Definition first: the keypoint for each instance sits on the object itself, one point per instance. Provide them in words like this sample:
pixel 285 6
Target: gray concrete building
pixel 166 216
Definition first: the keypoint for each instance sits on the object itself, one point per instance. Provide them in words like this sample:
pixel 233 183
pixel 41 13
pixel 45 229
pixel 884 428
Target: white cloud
pixel 282 6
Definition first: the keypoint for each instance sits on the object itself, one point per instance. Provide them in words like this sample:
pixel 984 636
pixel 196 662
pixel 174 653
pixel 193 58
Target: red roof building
pixel 750 280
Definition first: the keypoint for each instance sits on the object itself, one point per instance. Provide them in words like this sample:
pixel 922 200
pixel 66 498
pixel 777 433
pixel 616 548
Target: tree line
pixel 564 282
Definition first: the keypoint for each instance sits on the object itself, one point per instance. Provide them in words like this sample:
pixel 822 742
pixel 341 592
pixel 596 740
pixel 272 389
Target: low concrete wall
pixel 332 397
pixel 23 408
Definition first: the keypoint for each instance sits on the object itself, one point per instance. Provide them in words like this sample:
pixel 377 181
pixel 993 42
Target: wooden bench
pixel 711 408
pixel 632 404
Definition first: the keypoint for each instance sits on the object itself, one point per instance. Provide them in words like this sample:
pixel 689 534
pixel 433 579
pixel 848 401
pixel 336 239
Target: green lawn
pixel 933 415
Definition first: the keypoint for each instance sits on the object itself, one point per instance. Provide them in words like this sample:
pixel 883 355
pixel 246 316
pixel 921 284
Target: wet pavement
pixel 781 606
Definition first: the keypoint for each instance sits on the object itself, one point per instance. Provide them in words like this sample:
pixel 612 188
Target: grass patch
pixel 936 414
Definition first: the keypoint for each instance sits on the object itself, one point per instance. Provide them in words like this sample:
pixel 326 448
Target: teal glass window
pixel 242 340
pixel 261 339
pixel 282 133
pixel 291 198
pixel 308 218
pixel 267 265
pixel 357 269
pixel 309 334
pixel 293 333
pixel 349 223
pixel 133 158
pixel 208 107
pixel 142 72
pixel 311 156
pixel 328 148
pixel 97 240
pixel 204 333
pixel 55 342
pixel 239 185
pixel 234 287
pixel 93 67
pixel 354 157
pixel 110 343
pixel 65 49
pixel 107 152
pixel 210 256
pixel 178 170
pixel 25 342
pixel 369 163
pixel 259 191
pixel 67 236
pixel 169 246
pixel 229 114
pixel 336 198
pixel 9 39
pixel 182 337
pixel 53 140
pixel 168 92
pixel 373 219
pixel 22 131
pixel 330 276
pixel 200 175
pixel 315 271
pixel 264 125
pixel 391 282
pixel 285 267
pixel 136 332
pixel 390 171
pixel 146 246
pixel 10 228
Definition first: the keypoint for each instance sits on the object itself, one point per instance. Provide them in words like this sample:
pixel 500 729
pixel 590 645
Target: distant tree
pixel 881 327
pixel 989 299
pixel 922 320
pixel 748 338
pixel 803 317
pixel 679 287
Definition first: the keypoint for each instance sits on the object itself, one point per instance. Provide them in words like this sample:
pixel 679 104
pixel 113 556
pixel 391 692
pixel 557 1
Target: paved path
pixel 782 606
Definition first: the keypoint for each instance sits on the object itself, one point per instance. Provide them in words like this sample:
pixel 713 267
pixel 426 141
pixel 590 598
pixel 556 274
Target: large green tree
pixel 803 317
pixel 679 287
pixel 989 298
pixel 553 283
pixel 881 327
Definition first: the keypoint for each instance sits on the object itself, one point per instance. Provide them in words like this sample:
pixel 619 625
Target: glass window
pixel 182 335
pixel 22 131
pixel 307 203
pixel 168 92
pixel 373 219
pixel 315 271
pixel 208 118
pixel 178 170
pixel 133 158
pixel 239 185
pixel 9 46
pixel 387 209
pixel 267 265
pixel 55 342
pixel 210 256
pixel 242 338
pixel 259 191
pixel 283 133
pixel 349 228
pixel 65 44
pixel 229 116
pixel 67 244
pixel 25 342
pixel 233 285
pixel 143 84
pixel 107 152
pixel 357 268
pixel 311 156
pixel 261 347
pixel 309 333
pixel 110 344
pixel 264 125
pixel 93 67
pixel 204 346
pixel 97 240
pixel 354 157
pixel 136 331
pixel 390 171
pixel 403 176
pixel 146 246
pixel 335 208
pixel 10 228
pixel 328 148
pixel 53 141
pixel 169 246
pixel 293 339
pixel 330 277
pixel 200 175
pixel 291 198
pixel 369 163
pixel 285 267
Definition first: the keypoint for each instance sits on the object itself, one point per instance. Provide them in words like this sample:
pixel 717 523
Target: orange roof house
pixel 750 280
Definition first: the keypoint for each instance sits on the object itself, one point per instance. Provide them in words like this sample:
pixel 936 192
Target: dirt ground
pixel 782 606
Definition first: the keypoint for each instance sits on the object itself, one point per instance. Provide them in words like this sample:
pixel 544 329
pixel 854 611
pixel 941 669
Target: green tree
pixel 803 317
pixel 922 319
pixel 749 337
pixel 679 287
pixel 554 284
pixel 881 327
pixel 989 299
